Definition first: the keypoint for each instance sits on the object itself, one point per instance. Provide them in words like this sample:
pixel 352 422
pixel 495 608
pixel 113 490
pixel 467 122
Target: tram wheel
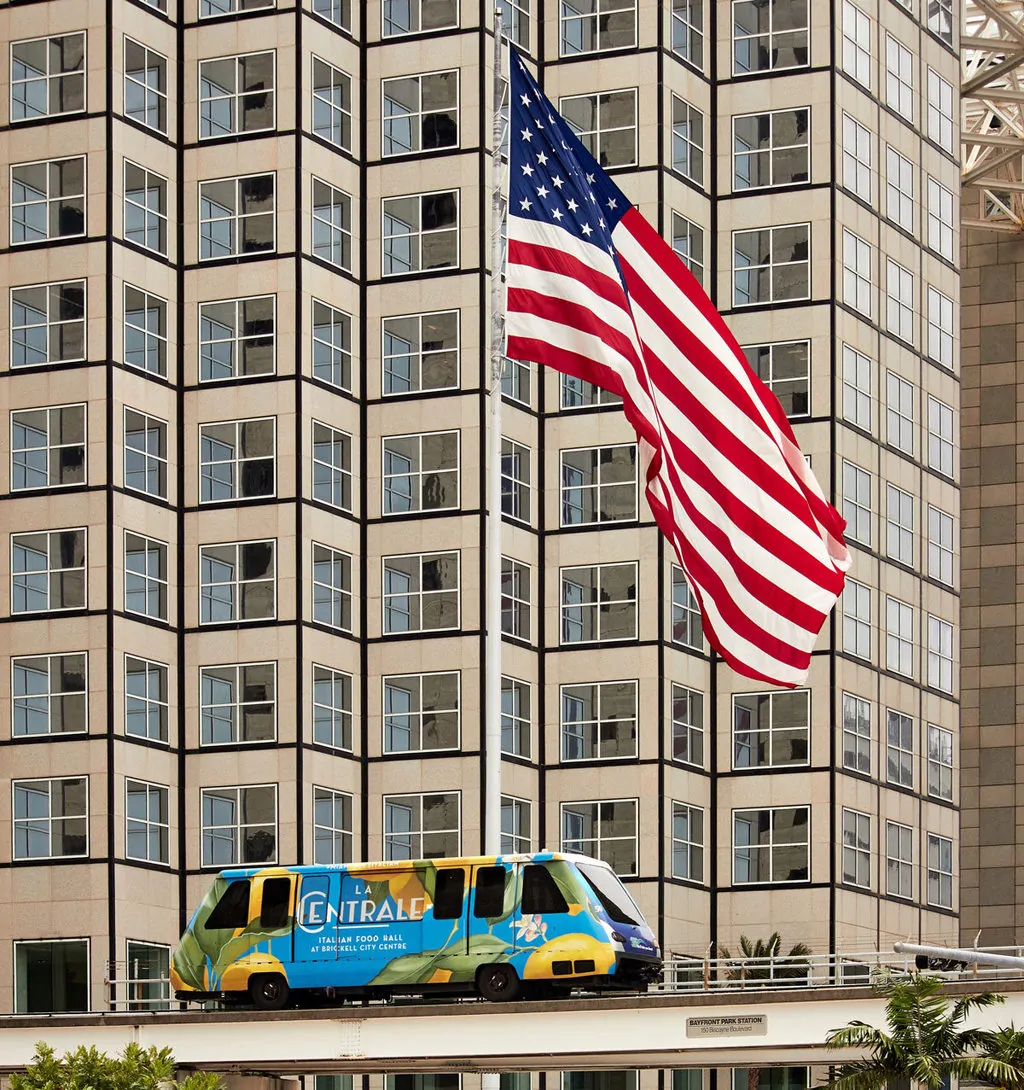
pixel 269 991
pixel 498 983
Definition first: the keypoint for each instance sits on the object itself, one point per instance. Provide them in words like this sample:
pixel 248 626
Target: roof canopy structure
pixel 992 139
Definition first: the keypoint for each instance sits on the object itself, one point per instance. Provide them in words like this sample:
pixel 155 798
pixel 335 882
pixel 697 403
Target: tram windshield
pixel 612 894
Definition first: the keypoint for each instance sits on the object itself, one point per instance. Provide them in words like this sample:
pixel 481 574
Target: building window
pixel 940 546
pixel 899 637
pixel 51 818
pixel 578 394
pixel 237 582
pixel 332 708
pixel 149 967
pixel 899 189
pixel 332 225
pixel 516 381
pixel 603 830
pixel 421 472
pixel 515 598
pixel 940 19
pixel 332 466
pixel 856 734
pixel 236 460
pixel 48 695
pixel 688 243
pixel 899 749
pixel 421 113
pixel 515 22
pixel 239 825
pixel 899 525
pixel 599 603
pixel 332 826
pixel 940 871
pixel 147 822
pixel 857 619
pixel 688 31
pixel 209 8
pixel 771 730
pixel 236 338
pixel 687 725
pixel 856 44
pixel 420 232
pixel 940 437
pixel 857 503
pixel 332 587
pixel 516 825
pixel 145 208
pixel 899 301
pixel 771 845
pixel 47 77
pixel 769 36
pixel 145 85
pixel 857 141
pixel 236 94
pixel 940 219
pixel 145 331
pixel 770 149
pixel 236 217
pixel 422 826
pixel 687 626
pixel 587 27
pixel 48 324
pixel 51 977
pixel 418 17
pixel 856 848
pixel 899 78
pixel 332 346
pixel 599 721
pixel 145 453
pixel 599 485
pixel 421 713
pixel 687 842
pixel 421 352
pixel 687 140
pixel 47 200
pixel 899 413
pixel 857 386
pixel 771 265
pixel 145 699
pixel 515 480
pixel 941 328
pixel 940 111
pixel 332 105
pixel 940 763
pixel 940 654
pixel 515 717
pixel 606 125
pixel 421 592
pixel 48 447
pixel 899 860
pixel 48 571
pixel 856 272
pixel 145 576
pixel 238 703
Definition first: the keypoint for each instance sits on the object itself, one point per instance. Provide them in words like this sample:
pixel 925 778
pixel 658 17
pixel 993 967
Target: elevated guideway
pixel 749 1027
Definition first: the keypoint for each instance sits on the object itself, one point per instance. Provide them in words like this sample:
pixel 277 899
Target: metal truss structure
pixel 992 137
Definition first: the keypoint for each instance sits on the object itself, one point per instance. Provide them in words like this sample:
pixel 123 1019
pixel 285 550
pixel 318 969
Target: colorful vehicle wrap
pixel 400 926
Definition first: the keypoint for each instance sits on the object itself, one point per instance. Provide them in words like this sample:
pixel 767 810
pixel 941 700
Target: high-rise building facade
pixel 243 481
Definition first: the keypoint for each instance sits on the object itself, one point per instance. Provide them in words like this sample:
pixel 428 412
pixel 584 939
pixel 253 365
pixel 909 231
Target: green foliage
pixel 89 1069
pixel 759 956
pixel 926 1041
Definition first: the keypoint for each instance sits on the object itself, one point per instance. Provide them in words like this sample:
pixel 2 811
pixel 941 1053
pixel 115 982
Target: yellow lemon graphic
pixel 575 947
pixel 177 984
pixel 405 888
pixel 236 976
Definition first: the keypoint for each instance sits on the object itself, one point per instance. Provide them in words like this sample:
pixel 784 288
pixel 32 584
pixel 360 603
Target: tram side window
pixel 274 907
pixel 449 890
pixel 232 910
pixel 490 892
pixel 540 894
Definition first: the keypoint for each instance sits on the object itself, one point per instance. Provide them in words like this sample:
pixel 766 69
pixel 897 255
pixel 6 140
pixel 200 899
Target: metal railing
pixel 127 988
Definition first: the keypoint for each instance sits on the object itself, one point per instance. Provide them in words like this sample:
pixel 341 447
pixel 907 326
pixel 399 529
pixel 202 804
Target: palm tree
pixel 926 1041
pixel 760 955
pixel 1006 1044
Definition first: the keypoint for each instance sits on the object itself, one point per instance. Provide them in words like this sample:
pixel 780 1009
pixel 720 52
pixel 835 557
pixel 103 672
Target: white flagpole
pixel 492 674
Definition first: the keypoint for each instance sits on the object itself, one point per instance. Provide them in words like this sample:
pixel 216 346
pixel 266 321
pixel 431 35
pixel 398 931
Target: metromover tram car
pixel 493 925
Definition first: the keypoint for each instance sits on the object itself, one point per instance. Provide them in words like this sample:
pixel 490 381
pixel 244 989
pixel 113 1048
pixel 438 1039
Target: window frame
pixel 338 595
pixel 52 449
pixel 418 717
pixel 149 702
pixel 420 831
pixel 941 672
pixel 896 419
pixel 162 219
pixel 898 61
pixel 688 136
pixel 237 462
pixel 339 354
pixel 937 876
pixel 339 477
pixel 597 487
pixel 941 231
pixel 514 724
pixel 163 857
pixel 856 743
pixel 149 582
pixel 772 266
pixel 597 723
pixel 514 604
pixel 900 865
pixel 858 273
pixel 236 97
pixel 334 831
pixel 336 112
pixel 417 473
pixel 687 736
pixel 599 839
pixel 937 767
pixel 854 620
pixel 563 48
pixel 939 554
pixel 341 717
pixel 417 269
pixel 900 197
pixel 856 848
pixel 857 58
pixel 940 323
pixel 159 339
pixel 853 163
pixel 899 636
pixel 84 568
pixel 146 89
pixel 339 245
pixel 388 376
pixel 601 101
pixel 771 845
pixel 160 463
pixel 768 731
pixel 85 817
pixel 899 749
pixel 771 149
pixel 419 593
pixel 238 340
pixel 237 220
pixel 900 535
pixel 238 826
pixel 605 605
pixel 47 202
pixel 939 122
pixel 514 841
pixel 941 437
pixel 855 363
pixel 769 34
pixel 421 114
pixel 419 30
pixel 900 314
pixel 238 704
pixel 688 245
pixel 83 942
pixel 48 77
pixel 691 845
pixel 858 509
pixel 237 582
pixel 30 700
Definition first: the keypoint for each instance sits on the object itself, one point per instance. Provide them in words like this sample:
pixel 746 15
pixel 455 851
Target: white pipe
pixel 969 957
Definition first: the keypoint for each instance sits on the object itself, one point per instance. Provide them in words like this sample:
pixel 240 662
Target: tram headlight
pixel 619 938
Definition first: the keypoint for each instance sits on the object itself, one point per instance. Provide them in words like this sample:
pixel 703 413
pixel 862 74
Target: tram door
pixel 316 918
pixel 494 909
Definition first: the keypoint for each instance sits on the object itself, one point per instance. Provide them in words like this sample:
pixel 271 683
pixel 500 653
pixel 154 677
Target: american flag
pixel 594 291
